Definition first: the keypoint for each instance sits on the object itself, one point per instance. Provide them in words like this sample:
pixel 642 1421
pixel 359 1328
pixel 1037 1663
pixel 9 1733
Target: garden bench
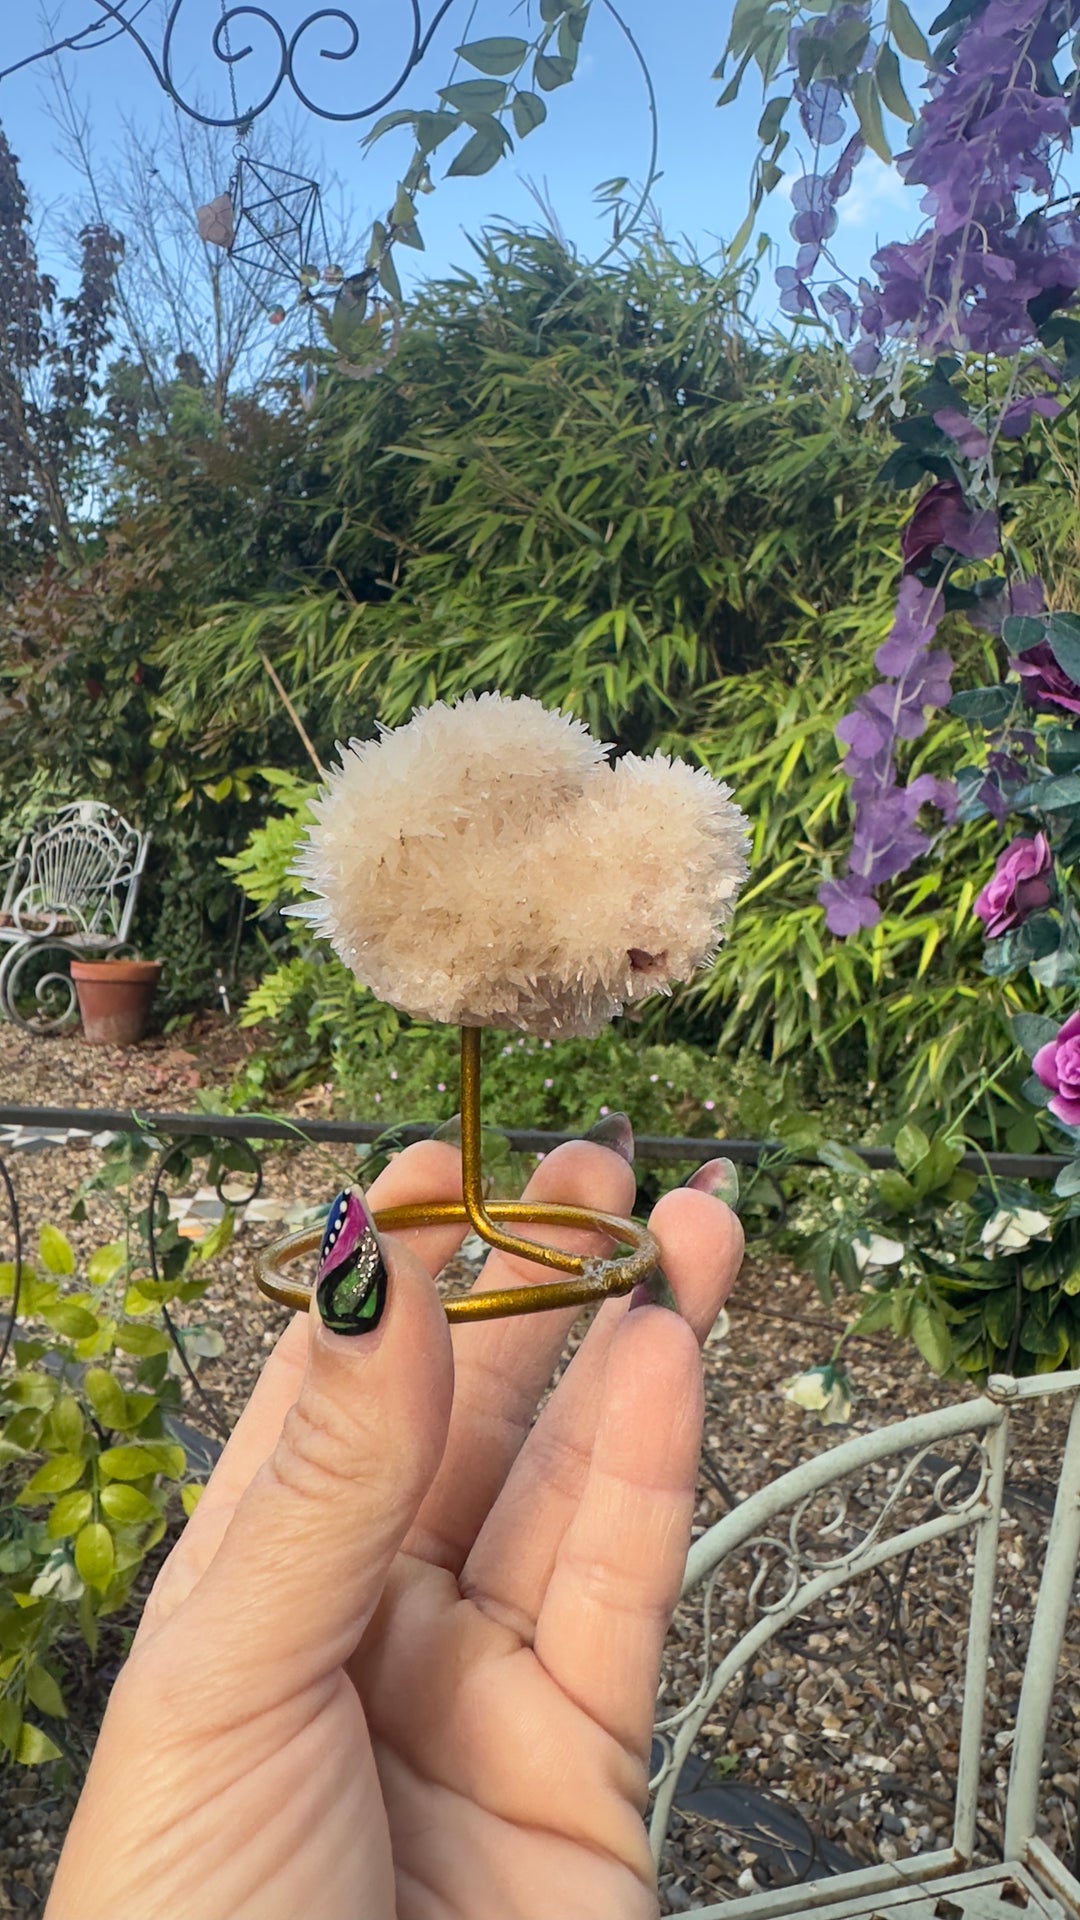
pixel 72 886
pixel 796 1548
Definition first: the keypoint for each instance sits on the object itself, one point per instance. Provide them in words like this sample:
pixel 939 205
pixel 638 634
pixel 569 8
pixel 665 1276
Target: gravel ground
pixel 839 1741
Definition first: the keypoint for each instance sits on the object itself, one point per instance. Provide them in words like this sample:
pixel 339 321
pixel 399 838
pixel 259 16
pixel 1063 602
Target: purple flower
pixel 970 438
pixel 1043 684
pixel 1021 885
pixel 1058 1067
pixel 942 518
pixel 1016 418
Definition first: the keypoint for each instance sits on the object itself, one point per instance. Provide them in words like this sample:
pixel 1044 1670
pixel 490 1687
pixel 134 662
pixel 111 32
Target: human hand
pixel 403 1659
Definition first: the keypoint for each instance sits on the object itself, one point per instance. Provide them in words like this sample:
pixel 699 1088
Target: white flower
pixel 1011 1229
pixel 822 1390
pixel 877 1252
pixel 58 1578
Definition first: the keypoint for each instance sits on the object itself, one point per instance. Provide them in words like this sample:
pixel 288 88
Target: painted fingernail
pixel 614 1130
pixel 350 1285
pixel 718 1177
pixel 654 1292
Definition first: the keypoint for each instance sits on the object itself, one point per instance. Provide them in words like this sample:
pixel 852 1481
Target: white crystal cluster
pixel 488 865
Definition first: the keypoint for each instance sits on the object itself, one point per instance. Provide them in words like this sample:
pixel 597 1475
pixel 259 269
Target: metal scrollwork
pixel 16 1283
pixel 332 21
pixel 54 992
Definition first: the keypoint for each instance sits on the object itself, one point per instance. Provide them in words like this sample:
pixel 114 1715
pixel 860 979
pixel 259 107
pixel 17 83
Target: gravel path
pixel 840 1740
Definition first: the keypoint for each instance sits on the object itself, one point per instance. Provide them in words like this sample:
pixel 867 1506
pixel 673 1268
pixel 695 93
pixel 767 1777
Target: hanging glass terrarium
pixel 270 222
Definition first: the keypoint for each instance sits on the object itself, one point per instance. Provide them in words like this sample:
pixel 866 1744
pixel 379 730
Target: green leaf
pixel 67 1425
pixel 35 1748
pixel 10 1722
pixel 501 55
pixel 475 99
pixel 895 1191
pixel 1022 631
pixel 15 1555
pixel 772 119
pixel 433 128
pixel 55 1250
pixel 481 152
pixel 136 1459
pixel 77 1323
pixel 552 10
pixel 106 1396
pixel 71 1512
pixel 56 1476
pixel 937 1166
pixel 44 1693
pixel 1032 1031
pixel 142 1341
pixel 864 95
pixel 95 1555
pixel 1068 1182
pixel 931 1335
pixel 1063 635
pixel 189 1498
pixel 551 70
pixel 989 707
pixel 220 1236
pixel 908 35
pixel 127 1506
pixel 529 112
pixel 401 117
pixel 832 1153
pixel 105 1263
pixel 910 1146
pixel 891 86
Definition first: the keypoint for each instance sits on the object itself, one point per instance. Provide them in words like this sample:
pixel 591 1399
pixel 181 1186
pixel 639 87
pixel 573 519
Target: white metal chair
pixel 815 1530
pixel 72 888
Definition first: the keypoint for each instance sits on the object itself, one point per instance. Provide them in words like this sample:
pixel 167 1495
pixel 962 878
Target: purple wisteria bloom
pixel 887 838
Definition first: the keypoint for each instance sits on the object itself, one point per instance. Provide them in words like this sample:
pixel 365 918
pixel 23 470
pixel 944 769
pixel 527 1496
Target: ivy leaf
pixel 551 70
pixel 529 112
pixel 864 95
pixel 501 55
pixel 475 99
pixel 891 86
pixel 482 152
pixel 907 33
pixel 401 117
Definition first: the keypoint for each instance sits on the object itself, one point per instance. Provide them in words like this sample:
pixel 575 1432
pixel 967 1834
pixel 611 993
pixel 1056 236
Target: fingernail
pixel 718 1177
pixel 614 1130
pixel 654 1292
pixel 450 1131
pixel 350 1285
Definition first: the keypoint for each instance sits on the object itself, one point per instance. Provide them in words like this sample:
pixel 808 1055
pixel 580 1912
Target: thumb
pixel 306 1554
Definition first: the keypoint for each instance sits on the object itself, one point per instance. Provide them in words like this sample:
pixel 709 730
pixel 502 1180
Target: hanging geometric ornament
pixel 270 223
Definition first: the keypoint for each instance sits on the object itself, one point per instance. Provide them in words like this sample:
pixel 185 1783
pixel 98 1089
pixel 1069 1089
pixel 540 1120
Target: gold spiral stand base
pixel 592 1277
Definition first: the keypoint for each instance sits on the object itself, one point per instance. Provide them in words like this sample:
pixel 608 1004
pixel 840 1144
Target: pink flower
pixel 1021 885
pixel 1058 1066
pixel 1043 684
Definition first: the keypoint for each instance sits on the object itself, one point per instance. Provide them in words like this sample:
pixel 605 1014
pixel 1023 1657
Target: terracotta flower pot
pixel 115 997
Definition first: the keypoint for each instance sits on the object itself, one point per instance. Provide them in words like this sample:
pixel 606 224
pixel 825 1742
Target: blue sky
pixel 598 126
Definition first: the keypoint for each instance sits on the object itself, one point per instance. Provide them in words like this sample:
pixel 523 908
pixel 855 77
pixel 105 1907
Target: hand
pixel 403 1659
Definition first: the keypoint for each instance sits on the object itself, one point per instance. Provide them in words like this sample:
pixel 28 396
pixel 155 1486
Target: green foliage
pixel 86 1463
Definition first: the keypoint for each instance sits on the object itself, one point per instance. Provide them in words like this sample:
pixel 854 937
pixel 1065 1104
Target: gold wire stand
pixel 593 1278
